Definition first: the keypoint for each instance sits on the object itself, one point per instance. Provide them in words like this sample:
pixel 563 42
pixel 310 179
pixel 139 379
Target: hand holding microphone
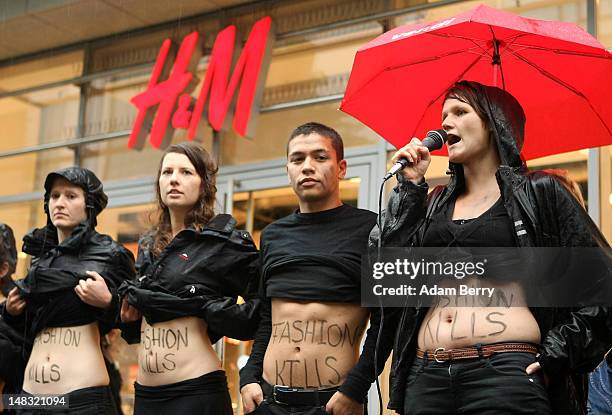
pixel 412 160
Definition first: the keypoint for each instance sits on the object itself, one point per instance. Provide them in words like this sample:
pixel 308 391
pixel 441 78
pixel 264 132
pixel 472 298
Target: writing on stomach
pixel 175 350
pixel 462 321
pixel 56 363
pixel 313 345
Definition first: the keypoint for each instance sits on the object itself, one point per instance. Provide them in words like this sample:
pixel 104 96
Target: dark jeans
pixel 87 401
pixel 494 386
pixel 269 407
pixel 206 395
pixel 600 390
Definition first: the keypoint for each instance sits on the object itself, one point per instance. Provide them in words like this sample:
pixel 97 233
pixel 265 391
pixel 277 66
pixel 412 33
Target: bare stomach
pixel 64 359
pixel 313 345
pixel 461 321
pixel 174 351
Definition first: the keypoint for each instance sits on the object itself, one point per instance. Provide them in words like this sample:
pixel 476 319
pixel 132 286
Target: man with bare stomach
pixel 305 359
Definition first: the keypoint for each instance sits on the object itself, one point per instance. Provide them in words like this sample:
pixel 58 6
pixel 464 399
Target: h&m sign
pixel 167 105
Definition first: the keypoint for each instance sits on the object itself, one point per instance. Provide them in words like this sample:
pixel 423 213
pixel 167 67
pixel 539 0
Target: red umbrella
pixel 560 74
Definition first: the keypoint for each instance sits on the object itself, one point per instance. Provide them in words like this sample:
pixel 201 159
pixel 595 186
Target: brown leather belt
pixel 441 355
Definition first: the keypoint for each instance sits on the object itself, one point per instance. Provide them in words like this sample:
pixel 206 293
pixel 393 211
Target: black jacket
pixel 49 285
pixel 544 214
pixel 199 273
pixel 12 364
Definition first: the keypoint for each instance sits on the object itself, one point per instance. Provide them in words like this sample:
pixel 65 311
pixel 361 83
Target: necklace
pixel 469 209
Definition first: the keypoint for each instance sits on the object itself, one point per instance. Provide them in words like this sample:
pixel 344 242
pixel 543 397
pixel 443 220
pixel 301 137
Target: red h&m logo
pixel 164 97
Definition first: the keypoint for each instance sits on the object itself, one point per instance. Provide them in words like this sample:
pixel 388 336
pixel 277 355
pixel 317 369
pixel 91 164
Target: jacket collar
pixel 41 240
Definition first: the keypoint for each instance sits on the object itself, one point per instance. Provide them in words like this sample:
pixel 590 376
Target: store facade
pixel 72 105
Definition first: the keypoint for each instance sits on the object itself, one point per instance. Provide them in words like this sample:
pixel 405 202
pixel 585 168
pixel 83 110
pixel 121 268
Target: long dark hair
pixel 202 211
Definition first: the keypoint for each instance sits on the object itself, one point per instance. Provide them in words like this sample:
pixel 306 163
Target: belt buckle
pixel 435 354
pixel 275 388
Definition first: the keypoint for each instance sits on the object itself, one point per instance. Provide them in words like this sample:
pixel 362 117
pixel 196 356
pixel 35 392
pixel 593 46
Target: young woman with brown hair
pixel 191 268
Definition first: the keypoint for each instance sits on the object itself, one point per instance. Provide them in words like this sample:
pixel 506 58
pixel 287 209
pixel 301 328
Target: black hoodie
pixel 544 214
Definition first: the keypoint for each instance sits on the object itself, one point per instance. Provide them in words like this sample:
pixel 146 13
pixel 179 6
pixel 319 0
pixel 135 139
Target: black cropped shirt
pixel 316 256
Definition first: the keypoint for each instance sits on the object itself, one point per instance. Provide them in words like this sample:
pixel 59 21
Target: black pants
pixel 489 386
pixel 269 407
pixel 87 401
pixel 206 395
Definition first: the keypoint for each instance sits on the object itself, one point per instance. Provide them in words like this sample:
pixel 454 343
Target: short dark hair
pixel 323 130
pixel 466 93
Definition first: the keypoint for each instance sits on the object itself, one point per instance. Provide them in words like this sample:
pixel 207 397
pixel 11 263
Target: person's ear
pixel 341 169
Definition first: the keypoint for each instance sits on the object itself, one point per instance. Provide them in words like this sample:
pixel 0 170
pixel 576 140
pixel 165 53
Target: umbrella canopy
pixel 559 73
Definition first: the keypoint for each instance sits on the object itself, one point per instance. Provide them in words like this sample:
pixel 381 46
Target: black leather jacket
pixel 199 273
pixel 12 364
pixel 49 285
pixel 544 214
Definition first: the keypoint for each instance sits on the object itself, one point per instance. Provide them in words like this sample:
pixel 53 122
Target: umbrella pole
pixel 496 62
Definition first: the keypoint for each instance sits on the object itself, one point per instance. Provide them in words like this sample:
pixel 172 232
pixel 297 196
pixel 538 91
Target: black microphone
pixel 434 140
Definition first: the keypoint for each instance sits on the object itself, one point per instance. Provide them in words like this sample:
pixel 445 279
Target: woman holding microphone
pixel 477 360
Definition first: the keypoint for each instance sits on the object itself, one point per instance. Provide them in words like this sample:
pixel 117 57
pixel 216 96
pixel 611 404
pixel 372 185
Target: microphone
pixel 434 140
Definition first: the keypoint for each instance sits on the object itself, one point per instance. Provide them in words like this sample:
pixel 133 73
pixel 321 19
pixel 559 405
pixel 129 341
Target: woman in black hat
pixel 68 298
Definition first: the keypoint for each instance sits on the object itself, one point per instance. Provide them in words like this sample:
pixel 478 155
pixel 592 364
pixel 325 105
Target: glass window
pixel 41 71
pixel 564 10
pixel 273 130
pixel 26 173
pixel 604 23
pixel 37 117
